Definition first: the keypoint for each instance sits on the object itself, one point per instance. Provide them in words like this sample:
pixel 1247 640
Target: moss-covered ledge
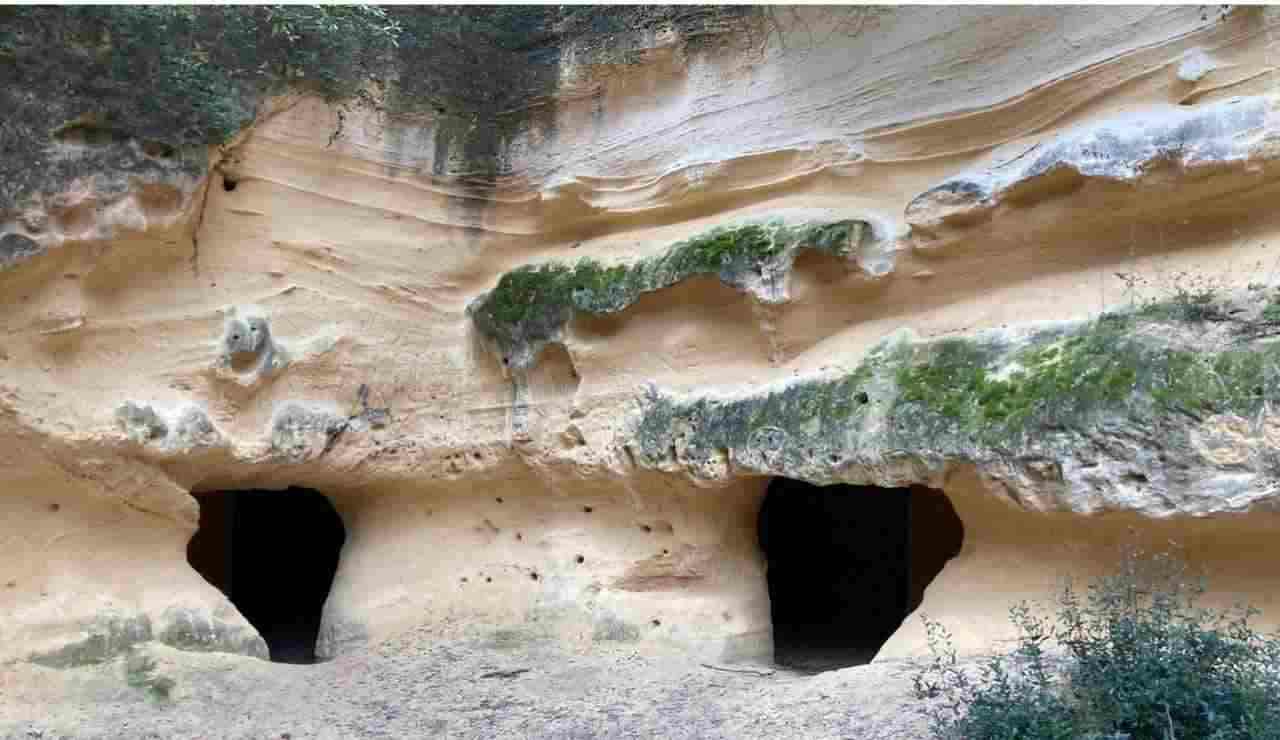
pixel 1142 412
pixel 531 305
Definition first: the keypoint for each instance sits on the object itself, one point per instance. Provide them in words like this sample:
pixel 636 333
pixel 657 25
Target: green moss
pixel 591 281
pixel 835 239
pixel 532 289
pixel 961 381
pixel 1103 364
pixel 1271 314
pixel 530 304
pixel 720 248
pixel 1197 382
pixel 522 289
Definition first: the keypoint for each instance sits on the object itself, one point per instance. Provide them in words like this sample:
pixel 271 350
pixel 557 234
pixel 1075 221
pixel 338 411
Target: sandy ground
pixel 407 688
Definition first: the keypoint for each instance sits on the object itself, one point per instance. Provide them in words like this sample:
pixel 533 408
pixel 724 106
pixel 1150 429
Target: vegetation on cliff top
pixel 175 79
pixel 196 71
pixel 188 71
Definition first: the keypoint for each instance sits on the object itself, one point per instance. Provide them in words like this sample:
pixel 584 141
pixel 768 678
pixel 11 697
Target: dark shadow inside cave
pixel 274 554
pixel 847 564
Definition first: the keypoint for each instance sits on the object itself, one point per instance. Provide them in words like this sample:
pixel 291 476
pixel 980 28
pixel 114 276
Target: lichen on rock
pixel 530 306
pixel 188 629
pixel 183 431
pixel 104 638
pixel 249 353
pixel 802 425
pixel 302 433
pixel 141 422
pixel 16 249
pixel 112 635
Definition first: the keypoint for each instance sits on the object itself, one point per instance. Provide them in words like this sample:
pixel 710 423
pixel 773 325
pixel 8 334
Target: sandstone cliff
pixel 543 302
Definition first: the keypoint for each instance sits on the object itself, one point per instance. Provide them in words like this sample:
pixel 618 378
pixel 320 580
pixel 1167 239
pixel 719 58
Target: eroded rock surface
pixel 1164 150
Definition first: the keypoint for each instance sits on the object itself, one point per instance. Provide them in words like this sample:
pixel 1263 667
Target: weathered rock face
pixel 544 347
pixel 1186 155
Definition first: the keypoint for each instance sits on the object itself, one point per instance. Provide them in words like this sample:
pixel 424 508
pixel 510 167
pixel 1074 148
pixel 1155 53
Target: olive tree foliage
pixel 1135 657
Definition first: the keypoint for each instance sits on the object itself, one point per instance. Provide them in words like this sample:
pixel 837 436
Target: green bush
pixel 1134 658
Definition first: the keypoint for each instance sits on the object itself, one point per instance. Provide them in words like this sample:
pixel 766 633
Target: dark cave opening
pixel 274 554
pixel 847 564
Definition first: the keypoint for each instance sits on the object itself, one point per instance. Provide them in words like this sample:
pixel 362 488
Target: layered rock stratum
pixel 543 300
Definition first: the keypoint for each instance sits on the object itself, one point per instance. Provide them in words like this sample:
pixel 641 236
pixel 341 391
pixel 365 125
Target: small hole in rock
pixel 862 398
pixel 665 551
pixel 506 360
pixel 656 623
pixel 646 527
pixel 580 560
pixel 243 362
pixel 587 510
pixel 463 579
pixel 157 149
pixel 519 536
pixel 488 580
pixel 477 456
pixel 498 499
pixel 55 507
pixel 533 576
pixel 229 184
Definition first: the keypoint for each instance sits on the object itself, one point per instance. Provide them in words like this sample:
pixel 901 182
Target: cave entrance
pixel 847 564
pixel 273 553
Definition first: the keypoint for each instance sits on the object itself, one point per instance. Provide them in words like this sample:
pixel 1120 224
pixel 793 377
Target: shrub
pixel 1134 658
pixel 1189 296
